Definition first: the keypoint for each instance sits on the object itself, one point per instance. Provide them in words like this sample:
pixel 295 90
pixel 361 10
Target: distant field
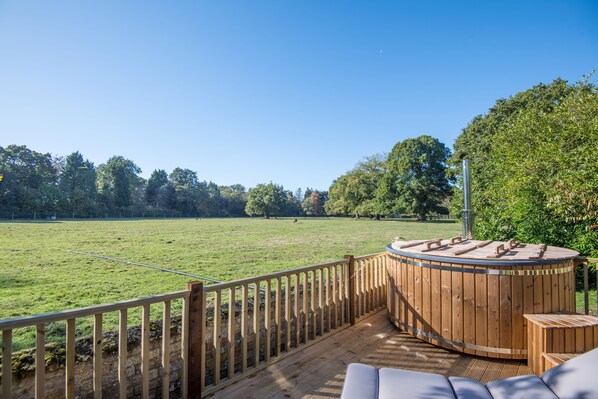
pixel 38 275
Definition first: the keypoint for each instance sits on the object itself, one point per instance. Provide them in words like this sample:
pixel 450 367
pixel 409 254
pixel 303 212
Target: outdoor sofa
pixel 576 378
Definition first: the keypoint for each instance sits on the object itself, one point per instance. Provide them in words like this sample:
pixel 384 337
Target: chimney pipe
pixel 467 216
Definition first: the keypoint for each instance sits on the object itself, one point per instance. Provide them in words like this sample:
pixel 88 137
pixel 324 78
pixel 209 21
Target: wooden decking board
pixel 319 370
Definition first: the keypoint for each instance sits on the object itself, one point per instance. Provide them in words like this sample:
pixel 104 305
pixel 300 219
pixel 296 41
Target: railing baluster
pixel 305 310
pixel 244 311
pixel 277 318
pixel 320 300
pixel 296 316
pixel 267 321
pixel 40 361
pixel 256 324
pixel 166 350
pixel 70 360
pixel 313 304
pixel 97 356
pixel 586 286
pixel 122 354
pixel 217 329
pixel 327 286
pixel 202 356
pixel 145 350
pixel 287 312
pixel 7 364
pixel 334 298
pixel 231 334
pixel 341 290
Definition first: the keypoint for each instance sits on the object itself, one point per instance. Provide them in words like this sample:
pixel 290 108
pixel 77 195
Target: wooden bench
pixel 559 336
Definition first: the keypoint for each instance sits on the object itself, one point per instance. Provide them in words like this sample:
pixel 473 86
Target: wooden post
pixel 586 287
pixel 351 260
pixel 196 322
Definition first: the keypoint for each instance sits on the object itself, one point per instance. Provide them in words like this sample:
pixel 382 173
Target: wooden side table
pixel 554 338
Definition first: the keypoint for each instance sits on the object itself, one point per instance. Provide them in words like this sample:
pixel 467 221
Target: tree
pixel 354 192
pixel 314 204
pixel 158 179
pixel 118 182
pixel 29 181
pixel 78 183
pixel 186 186
pixel 545 180
pixel 266 199
pixel 415 180
pixel 234 200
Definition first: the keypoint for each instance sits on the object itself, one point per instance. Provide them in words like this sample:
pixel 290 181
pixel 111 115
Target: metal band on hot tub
pixel 459 344
pixel 499 272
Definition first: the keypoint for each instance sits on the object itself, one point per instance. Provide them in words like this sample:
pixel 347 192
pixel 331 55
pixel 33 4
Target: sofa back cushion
pixel 398 384
pixel 576 378
pixel 523 387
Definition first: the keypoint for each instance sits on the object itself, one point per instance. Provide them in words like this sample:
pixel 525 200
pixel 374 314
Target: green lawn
pixel 38 275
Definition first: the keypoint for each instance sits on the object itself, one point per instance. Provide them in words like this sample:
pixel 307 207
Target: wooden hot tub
pixel 470 296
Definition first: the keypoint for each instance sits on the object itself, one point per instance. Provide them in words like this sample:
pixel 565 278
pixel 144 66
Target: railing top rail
pixel 28 321
pixel 249 280
pixel 362 257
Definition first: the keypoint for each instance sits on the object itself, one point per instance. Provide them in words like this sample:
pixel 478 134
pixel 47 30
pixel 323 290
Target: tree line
pixel 43 184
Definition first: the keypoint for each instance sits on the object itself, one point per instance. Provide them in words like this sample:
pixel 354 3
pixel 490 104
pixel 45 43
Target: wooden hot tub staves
pixel 475 306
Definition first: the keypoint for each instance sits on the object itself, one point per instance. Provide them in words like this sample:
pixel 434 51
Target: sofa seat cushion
pixel 523 387
pixel 466 388
pixel 361 382
pixel 397 384
pixel 576 378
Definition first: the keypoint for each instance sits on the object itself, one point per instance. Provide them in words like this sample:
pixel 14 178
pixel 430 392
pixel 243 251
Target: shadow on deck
pixel 319 370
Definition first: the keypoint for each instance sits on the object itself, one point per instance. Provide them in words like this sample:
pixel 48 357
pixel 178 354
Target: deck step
pixel 554 359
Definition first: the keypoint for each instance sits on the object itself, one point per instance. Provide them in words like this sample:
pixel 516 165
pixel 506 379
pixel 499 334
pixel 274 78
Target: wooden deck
pixel 319 370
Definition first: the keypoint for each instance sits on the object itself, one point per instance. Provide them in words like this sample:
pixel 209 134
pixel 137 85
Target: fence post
pixel 196 323
pixel 351 260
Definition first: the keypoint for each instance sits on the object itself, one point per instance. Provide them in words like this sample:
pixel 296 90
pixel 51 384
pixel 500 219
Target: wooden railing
pixel 229 329
pixel 70 316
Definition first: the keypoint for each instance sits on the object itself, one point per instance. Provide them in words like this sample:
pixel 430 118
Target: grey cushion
pixel 466 388
pixel 397 383
pixel 523 387
pixel 576 378
pixel 361 382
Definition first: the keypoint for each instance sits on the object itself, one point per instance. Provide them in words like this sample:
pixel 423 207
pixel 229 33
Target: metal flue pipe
pixel 467 216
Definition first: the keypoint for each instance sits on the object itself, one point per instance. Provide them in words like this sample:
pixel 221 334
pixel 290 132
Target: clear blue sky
pixel 294 92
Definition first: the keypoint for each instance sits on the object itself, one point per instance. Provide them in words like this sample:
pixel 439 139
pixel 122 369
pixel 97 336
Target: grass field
pixel 38 275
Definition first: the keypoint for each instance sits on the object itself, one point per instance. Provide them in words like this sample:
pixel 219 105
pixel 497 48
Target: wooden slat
pixel 231 340
pixel 417 297
pixel 538 292
pixel 122 353
pixel 334 316
pixel 506 314
pixel 457 306
pixel 327 297
pixel 469 309
pixel 145 350
pixel 304 308
pixel 277 318
pixel 256 323
pixel 201 321
pixel 446 303
pixel 547 286
pixel 321 300
pixel 481 312
pixel 267 319
pixel 296 315
pixel 7 364
pixel 217 335
pixel 69 371
pixel 244 315
pixel 341 293
pixel 166 348
pixel 426 299
pixel 493 311
pixel 287 312
pixel 97 356
pixel 313 304
pixel 436 302
pixel 40 361
pixel 517 322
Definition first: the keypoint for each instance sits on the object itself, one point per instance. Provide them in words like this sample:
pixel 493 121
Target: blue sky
pixel 294 92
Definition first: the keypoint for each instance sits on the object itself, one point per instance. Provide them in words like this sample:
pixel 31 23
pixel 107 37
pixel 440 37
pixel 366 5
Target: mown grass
pixel 38 275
